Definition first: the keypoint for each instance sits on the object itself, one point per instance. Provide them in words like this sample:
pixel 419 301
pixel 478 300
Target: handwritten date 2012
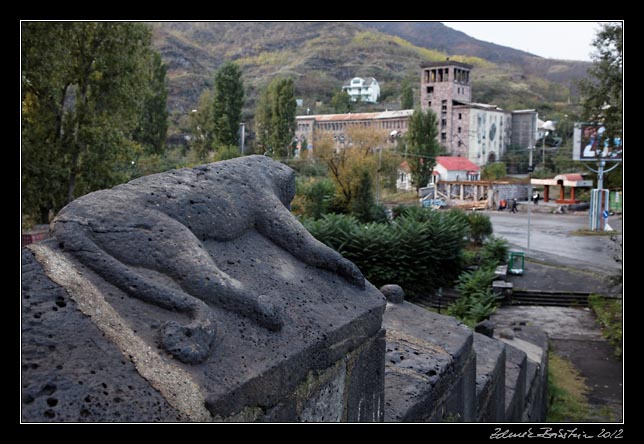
pixel 550 433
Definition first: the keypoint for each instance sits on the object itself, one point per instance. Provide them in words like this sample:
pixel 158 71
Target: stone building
pixel 479 132
pixel 394 122
pixel 476 131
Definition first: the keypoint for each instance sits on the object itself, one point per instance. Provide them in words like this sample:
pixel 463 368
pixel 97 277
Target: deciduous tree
pixel 275 117
pixel 602 92
pixel 153 122
pixel 422 146
pixel 83 89
pixel 228 100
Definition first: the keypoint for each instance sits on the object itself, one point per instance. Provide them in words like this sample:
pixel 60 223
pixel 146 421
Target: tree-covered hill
pixel 321 56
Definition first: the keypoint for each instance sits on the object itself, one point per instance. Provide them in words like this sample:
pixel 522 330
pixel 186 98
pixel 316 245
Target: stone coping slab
pixel 428 357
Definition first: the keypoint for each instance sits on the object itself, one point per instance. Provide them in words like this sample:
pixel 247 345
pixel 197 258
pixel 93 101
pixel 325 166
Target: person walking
pixel 513 209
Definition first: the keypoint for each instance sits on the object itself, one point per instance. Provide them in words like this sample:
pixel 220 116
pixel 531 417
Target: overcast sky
pixel 556 40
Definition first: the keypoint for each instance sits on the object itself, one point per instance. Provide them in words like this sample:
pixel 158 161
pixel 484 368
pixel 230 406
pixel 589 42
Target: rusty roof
pixel 358 116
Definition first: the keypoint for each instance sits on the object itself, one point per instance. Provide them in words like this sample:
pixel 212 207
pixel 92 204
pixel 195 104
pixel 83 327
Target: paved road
pixel 551 239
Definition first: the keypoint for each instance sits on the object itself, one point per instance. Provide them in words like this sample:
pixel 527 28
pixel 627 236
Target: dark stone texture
pixel 533 342
pixel 536 404
pixel 430 367
pixel 490 379
pixel 394 293
pixel 162 223
pixel 221 285
pixel 485 328
pixel 368 376
pixel 70 372
pixel 516 364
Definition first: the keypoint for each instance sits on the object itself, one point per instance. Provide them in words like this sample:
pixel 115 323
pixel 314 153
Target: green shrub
pixel 420 251
pixel 495 251
pixel 227 152
pixel 494 171
pixel 476 302
pixel 472 282
pixel 317 196
pixel 480 227
pixel 307 167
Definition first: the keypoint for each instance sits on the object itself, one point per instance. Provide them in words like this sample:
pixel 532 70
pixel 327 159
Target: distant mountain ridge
pixel 321 56
pixel 440 36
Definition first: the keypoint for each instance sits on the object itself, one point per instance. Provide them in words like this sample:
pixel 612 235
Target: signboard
pixel 590 143
pixel 433 203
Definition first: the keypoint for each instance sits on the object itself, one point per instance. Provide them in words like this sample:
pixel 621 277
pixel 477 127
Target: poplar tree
pixel 422 146
pixel 275 117
pixel 228 100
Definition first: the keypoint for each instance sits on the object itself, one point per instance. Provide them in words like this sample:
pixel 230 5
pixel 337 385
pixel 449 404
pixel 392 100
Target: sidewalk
pixel 557 277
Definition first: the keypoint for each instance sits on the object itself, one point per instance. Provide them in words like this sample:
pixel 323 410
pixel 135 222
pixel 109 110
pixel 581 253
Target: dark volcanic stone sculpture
pixel 196 295
pixel 160 222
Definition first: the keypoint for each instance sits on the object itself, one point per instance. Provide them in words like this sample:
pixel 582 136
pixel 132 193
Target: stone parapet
pixel 430 367
pixel 490 379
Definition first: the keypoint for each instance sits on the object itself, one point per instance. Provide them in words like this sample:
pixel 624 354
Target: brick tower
pixel 441 84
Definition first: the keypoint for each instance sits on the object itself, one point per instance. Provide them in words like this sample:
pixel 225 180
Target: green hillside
pixel 321 56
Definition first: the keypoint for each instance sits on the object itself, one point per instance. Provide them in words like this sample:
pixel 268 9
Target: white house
pixel 364 90
pixel 456 168
pixel 447 168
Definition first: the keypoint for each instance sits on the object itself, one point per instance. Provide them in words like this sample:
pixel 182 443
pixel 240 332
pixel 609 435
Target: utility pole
pixel 530 167
pixel 243 136
pixel 378 176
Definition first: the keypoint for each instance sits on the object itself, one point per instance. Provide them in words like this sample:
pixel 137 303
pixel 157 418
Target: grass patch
pixel 609 316
pixel 566 391
pixel 399 197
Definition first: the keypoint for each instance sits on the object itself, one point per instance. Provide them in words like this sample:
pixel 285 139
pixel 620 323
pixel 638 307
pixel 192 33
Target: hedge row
pixel 421 250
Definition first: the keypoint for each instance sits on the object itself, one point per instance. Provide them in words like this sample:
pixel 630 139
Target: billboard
pixel 591 143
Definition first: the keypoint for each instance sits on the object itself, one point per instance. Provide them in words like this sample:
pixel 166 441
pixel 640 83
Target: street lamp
pixel 547 127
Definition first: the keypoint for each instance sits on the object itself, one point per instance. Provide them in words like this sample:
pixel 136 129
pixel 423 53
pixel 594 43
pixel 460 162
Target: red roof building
pixel 456 168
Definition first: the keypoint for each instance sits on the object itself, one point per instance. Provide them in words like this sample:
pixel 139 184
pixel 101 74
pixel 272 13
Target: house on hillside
pixel 363 90
pixel 448 168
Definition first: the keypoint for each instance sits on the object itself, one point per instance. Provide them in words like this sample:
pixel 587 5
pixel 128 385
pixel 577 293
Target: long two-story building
pixel 479 132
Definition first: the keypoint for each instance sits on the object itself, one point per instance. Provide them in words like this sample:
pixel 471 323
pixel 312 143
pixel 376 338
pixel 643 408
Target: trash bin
pixel 516 264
